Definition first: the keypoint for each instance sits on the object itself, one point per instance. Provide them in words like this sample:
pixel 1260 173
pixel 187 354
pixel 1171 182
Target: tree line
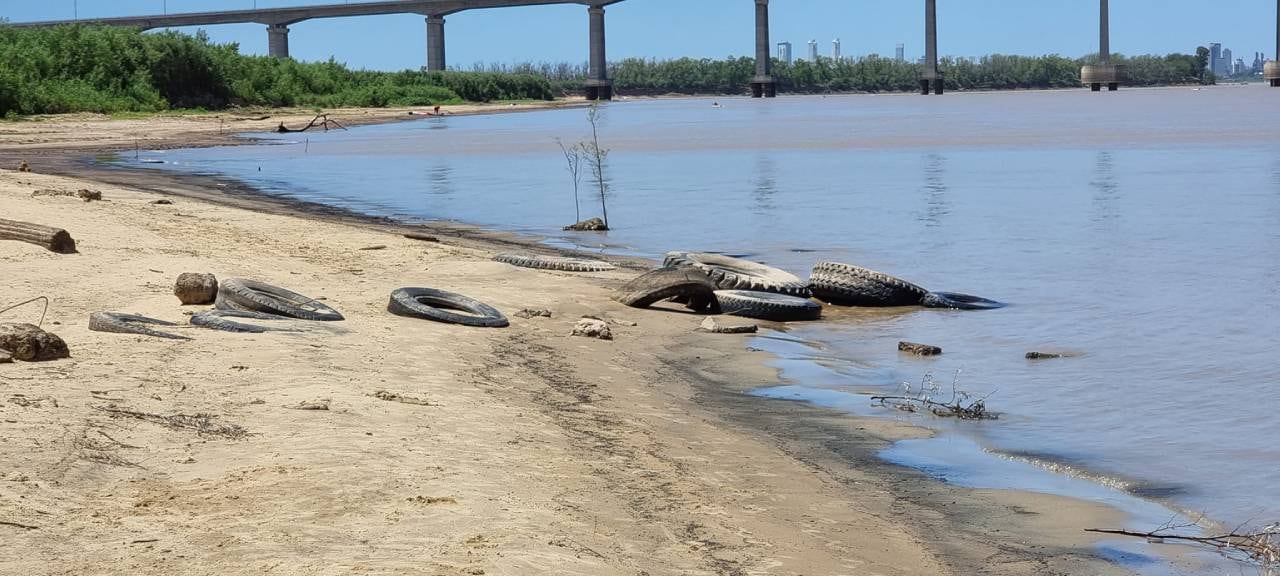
pixel 105 69
pixel 86 68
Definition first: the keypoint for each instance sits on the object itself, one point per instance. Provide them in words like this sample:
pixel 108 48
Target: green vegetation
pixel 113 70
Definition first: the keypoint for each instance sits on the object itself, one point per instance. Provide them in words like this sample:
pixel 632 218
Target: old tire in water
pixel 118 323
pixel 729 273
pixel 684 283
pixel 254 296
pixel 555 263
pixel 440 306
pixel 847 285
pixel 959 301
pixel 767 306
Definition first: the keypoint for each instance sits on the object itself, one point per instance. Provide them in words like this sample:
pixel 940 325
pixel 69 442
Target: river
pixel 1137 231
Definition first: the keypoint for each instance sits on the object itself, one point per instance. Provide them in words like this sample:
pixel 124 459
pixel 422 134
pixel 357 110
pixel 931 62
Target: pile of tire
pixel 723 285
pixel 251 299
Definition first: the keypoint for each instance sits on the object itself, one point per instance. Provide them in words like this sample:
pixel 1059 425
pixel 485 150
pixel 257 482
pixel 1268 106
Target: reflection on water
pixel 1148 247
pixel 766 185
pixel 935 190
pixel 1105 190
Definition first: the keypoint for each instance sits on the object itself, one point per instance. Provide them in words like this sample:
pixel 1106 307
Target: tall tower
pixel 1104 72
pixel 813 50
pixel 835 49
pixel 900 54
pixel 784 52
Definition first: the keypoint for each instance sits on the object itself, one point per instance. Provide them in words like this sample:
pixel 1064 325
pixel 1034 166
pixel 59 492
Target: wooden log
pixel 54 239
pixel 919 349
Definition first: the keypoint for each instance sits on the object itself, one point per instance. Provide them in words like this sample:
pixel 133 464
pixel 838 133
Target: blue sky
pixel 717 28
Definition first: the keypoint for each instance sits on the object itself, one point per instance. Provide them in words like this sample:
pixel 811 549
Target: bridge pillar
pixel 598 87
pixel 1104 72
pixel 1271 70
pixel 763 85
pixel 931 77
pixel 435 43
pixel 278 40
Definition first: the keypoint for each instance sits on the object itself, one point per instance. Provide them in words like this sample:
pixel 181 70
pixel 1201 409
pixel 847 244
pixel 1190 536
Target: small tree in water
pixel 596 157
pixel 573 163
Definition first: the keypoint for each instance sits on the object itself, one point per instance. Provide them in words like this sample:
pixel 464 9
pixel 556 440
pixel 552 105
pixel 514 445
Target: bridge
pixel 597 85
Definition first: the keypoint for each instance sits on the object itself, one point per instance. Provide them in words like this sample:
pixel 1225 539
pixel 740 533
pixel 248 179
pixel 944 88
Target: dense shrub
pixel 104 69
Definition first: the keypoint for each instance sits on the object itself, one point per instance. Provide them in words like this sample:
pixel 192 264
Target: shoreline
pixel 826 445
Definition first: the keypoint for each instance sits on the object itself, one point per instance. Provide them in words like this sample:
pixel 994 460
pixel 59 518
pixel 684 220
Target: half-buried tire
pixel 729 273
pixel 686 284
pixel 554 263
pixel 767 306
pixel 441 306
pixel 254 296
pixel 959 301
pixel 847 285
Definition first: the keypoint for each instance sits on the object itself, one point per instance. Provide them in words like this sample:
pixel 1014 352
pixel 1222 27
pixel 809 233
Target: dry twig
pixel 202 424
pixel 956 407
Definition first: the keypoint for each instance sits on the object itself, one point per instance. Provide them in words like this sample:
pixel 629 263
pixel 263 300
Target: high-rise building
pixel 813 50
pixel 1258 63
pixel 1227 62
pixel 835 49
pixel 901 53
pixel 1238 69
pixel 1215 58
pixel 784 52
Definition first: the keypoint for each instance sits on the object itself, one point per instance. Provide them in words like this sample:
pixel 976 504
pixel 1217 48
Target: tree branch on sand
pixel 958 406
pixel 321 120
pixel 1257 547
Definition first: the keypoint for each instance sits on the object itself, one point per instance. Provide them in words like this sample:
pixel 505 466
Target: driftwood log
pixel 321 120
pixel 55 239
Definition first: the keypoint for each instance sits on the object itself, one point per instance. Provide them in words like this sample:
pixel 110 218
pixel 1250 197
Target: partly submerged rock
pixel 588 225
pixel 919 349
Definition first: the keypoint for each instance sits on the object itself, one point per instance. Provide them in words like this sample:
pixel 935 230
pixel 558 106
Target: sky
pixel 665 29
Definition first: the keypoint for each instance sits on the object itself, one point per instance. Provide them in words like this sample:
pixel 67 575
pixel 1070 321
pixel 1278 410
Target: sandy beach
pixel 444 449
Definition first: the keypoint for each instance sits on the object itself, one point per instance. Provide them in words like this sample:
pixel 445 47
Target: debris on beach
pixel 29 343
pixel 23 166
pixel 84 194
pixel 6 357
pixel 321 120
pixel 919 349
pixel 687 284
pixel 196 288
pixel 925 399
pixel 401 398
pixel 534 313
pixel 593 328
pixel 421 237
pixel 377 247
pixel 321 404
pixel 118 323
pixel 162 202
pixel 52 239
pixel 202 424
pixel 588 225
pixel 715 327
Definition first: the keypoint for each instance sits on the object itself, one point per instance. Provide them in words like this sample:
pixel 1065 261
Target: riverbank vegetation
pixel 105 69
pixel 86 68
pixel 868 74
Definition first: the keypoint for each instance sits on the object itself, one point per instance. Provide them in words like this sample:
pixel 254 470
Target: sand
pixel 444 449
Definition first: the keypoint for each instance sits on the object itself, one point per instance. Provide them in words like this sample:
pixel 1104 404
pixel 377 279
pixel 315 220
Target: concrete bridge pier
pixel 931 77
pixel 1271 70
pixel 435 43
pixel 598 87
pixel 278 40
pixel 1095 76
pixel 762 85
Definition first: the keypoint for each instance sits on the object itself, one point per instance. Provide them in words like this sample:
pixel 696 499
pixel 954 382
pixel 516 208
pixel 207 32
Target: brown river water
pixel 1138 231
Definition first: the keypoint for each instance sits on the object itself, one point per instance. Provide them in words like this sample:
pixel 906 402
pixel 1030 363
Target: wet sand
pixel 523 451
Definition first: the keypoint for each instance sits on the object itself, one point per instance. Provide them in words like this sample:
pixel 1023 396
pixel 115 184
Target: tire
pixel 254 296
pixel 117 323
pixel 767 306
pixel 438 305
pixel 956 301
pixel 847 285
pixel 683 283
pixel 217 320
pixel 728 273
pixel 555 263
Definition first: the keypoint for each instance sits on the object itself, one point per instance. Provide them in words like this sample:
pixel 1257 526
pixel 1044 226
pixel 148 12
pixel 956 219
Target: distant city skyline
pixel 558 33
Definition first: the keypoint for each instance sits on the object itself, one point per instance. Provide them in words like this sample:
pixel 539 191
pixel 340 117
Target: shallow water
pixel 1138 230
